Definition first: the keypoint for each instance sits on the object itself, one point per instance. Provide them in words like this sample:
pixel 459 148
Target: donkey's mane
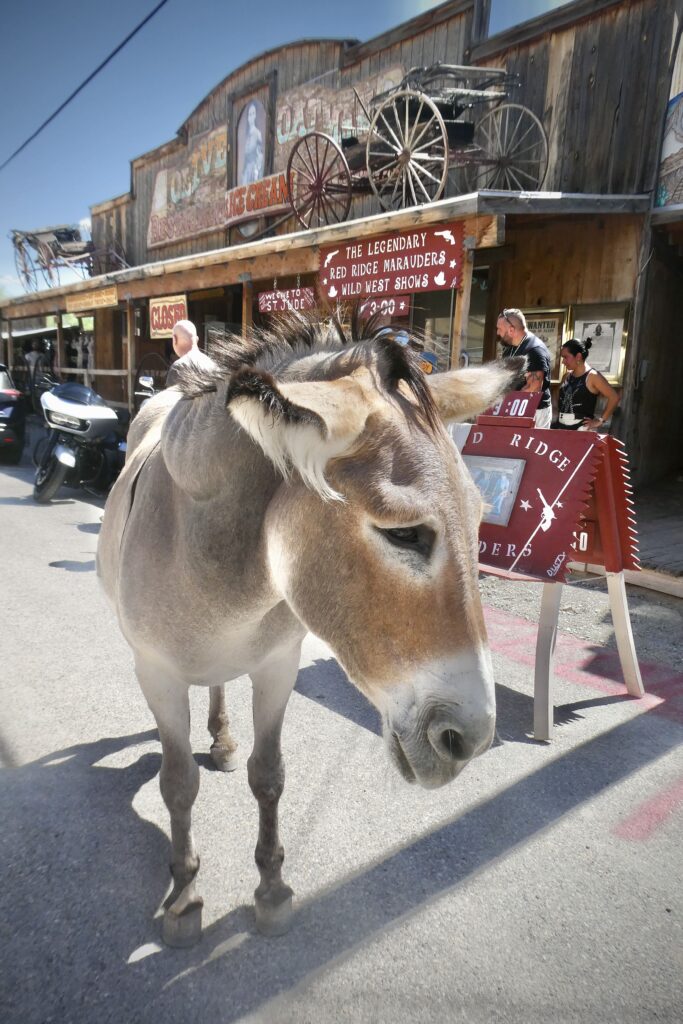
pixel 280 348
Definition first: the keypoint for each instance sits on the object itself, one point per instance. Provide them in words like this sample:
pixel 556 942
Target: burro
pixel 305 481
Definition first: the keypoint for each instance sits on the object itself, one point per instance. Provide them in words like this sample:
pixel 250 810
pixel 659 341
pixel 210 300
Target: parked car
pixel 12 418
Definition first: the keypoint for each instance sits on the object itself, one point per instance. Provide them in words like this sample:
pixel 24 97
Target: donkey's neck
pixel 208 454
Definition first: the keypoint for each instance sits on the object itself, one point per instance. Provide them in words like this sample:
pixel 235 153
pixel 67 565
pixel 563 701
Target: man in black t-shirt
pixel 518 341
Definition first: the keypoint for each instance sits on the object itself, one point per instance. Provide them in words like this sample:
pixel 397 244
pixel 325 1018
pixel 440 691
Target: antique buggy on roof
pixel 429 125
pixel 48 251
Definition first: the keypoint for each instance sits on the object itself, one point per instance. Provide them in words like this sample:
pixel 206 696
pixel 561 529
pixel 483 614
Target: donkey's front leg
pixel 271 689
pixel 179 781
pixel 223 747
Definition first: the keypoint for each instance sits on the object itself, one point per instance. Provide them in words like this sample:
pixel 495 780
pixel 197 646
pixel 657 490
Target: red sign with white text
pixel 536 485
pixel 392 307
pixel 425 259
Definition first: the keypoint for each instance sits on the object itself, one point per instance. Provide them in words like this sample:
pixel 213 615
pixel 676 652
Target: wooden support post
pixel 543 669
pixel 462 312
pixel 61 361
pixel 130 364
pixel 616 588
pixel 10 346
pixel 247 307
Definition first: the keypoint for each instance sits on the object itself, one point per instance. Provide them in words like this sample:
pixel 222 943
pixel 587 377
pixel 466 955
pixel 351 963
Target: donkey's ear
pixel 299 424
pixel 460 394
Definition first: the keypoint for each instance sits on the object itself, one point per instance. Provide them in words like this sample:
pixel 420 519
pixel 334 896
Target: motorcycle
pixel 86 444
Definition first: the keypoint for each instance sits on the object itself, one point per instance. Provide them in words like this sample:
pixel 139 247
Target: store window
pixel 431 322
pixel 473 352
pixel 505 15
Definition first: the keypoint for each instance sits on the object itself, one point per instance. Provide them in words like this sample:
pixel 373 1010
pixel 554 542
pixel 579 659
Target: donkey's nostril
pixel 453 745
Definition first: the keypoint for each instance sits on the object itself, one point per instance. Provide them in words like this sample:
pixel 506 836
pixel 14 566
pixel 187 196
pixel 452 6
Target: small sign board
pixel 164 313
pixel 285 301
pixel 551 496
pixel 83 302
pixel 424 259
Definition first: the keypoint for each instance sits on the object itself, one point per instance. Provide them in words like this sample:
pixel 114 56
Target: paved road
pixel 543 885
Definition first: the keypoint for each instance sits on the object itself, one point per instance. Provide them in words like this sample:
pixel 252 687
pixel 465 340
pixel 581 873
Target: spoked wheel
pixel 407 151
pixel 83 266
pixel 320 181
pixel 49 266
pixel 26 268
pixel 513 151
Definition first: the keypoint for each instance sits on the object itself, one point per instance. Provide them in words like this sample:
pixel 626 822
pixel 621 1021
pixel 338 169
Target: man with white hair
pixel 519 341
pixel 186 347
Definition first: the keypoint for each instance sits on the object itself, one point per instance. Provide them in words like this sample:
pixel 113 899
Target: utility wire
pixel 83 84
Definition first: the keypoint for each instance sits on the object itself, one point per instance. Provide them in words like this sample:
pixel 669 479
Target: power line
pixel 83 84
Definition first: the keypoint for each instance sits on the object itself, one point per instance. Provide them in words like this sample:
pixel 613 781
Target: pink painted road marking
pixel 578 661
pixel 649 815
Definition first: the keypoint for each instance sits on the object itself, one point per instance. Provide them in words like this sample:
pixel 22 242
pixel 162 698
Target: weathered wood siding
pixel 569 261
pixel 653 405
pixel 599 87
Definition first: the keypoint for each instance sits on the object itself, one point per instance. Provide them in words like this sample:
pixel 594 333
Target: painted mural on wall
pixel 189 194
pixel 191 198
pixel 321 105
pixel 670 188
pixel 251 143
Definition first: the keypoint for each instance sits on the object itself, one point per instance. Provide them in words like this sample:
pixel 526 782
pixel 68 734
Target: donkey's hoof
pixel 182 922
pixel 224 759
pixel 274 913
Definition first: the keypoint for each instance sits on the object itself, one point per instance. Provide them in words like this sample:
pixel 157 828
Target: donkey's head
pixel 373 540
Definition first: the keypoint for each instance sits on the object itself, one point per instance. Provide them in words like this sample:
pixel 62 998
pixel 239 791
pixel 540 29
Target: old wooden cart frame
pixel 47 251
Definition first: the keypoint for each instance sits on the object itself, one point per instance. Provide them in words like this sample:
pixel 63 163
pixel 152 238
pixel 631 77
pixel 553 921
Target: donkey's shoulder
pixel 150 418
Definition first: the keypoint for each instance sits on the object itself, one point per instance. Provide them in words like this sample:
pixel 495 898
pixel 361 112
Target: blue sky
pixel 141 97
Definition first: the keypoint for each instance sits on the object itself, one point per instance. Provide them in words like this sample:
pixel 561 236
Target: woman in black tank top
pixel 580 390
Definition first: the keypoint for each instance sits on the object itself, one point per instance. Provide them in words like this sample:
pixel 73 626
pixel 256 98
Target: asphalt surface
pixel 542 885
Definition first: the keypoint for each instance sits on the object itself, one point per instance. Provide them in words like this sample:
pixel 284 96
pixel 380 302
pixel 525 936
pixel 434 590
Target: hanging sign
pixel 425 259
pixel 164 313
pixel 287 300
pixel 393 307
pixel 99 299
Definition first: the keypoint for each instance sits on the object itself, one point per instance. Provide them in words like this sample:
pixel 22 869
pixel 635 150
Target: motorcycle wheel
pixel 50 476
pixel 39 450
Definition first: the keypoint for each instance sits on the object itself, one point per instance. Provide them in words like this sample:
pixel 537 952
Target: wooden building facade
pixel 587 252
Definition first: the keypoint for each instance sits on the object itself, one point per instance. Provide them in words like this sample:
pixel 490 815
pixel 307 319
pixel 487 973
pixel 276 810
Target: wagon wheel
pixel 49 266
pixel 513 150
pixel 319 180
pixel 26 268
pixel 407 151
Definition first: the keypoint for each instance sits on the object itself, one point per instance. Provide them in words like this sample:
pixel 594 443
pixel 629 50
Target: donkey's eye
pixel 411 538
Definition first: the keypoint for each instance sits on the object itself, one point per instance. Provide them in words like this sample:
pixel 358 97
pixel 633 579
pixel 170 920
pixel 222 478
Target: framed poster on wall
pixel 604 326
pixel 548 325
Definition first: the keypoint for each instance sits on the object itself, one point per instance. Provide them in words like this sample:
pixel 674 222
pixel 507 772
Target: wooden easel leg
pixel 616 588
pixel 543 670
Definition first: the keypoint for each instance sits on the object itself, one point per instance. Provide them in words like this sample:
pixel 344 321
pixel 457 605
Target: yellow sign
pixel 85 301
pixel 164 313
